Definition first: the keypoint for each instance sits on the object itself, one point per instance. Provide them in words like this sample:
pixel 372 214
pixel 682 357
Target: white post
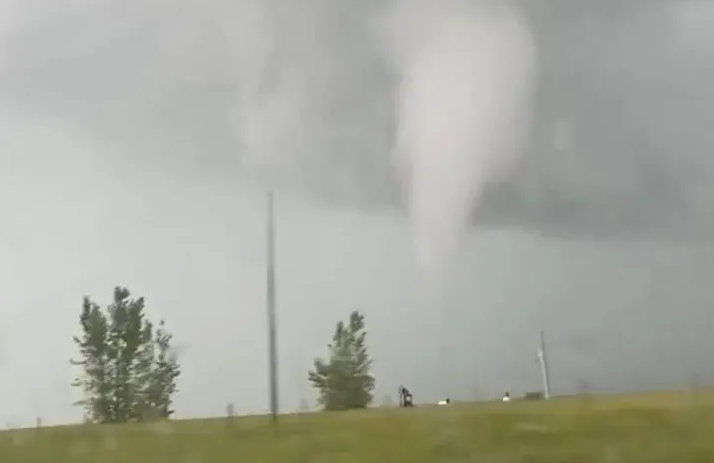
pixel 543 359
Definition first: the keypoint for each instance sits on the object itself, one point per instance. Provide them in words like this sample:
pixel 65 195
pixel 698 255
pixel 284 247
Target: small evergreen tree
pixel 344 381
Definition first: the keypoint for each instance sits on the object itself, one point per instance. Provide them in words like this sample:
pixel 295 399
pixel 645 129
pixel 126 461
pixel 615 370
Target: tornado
pixel 464 82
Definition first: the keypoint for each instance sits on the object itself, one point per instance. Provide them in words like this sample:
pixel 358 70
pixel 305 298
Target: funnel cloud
pixel 465 78
pixel 302 95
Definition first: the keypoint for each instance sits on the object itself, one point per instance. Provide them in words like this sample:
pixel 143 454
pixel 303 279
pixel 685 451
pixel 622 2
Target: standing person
pixel 405 397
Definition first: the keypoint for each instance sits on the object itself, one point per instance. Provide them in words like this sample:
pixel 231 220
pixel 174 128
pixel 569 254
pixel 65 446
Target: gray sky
pixel 135 140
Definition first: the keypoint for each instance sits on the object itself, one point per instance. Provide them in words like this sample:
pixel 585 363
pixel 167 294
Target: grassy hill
pixel 666 427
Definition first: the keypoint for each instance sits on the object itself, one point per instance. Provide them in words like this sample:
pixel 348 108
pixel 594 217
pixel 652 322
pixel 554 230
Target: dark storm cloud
pixel 634 96
pixel 227 85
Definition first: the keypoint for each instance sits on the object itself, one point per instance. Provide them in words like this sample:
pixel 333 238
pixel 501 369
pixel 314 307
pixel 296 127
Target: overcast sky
pixel 136 139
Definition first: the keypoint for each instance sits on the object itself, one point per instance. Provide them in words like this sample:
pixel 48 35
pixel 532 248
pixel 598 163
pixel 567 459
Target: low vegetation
pixel 671 427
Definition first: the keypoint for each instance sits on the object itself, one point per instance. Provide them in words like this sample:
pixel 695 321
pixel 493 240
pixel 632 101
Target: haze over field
pixel 136 140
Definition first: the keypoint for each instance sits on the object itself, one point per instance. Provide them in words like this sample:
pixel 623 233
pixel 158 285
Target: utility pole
pixel 270 309
pixel 543 359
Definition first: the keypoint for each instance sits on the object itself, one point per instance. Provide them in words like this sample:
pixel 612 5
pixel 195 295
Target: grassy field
pixel 667 428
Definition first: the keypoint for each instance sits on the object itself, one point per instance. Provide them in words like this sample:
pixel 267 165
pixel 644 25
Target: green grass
pixel 667 428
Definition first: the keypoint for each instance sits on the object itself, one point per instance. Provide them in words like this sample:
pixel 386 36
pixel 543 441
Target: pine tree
pixel 344 382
